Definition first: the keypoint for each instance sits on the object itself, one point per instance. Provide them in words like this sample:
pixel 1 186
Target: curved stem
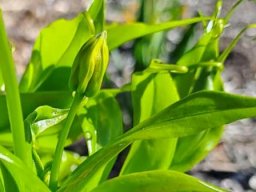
pixel 61 143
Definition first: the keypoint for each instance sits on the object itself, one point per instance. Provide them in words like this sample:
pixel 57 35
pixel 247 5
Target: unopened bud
pixel 90 66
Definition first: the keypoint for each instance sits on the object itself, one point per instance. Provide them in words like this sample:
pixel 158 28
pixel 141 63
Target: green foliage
pixel 155 181
pixel 178 103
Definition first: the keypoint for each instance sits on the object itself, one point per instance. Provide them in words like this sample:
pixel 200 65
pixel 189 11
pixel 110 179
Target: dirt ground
pixel 233 163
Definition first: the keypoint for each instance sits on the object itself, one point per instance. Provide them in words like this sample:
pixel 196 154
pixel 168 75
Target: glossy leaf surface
pixel 151 154
pixel 191 115
pixel 156 181
pixel 30 101
pixel 22 175
pixel 101 124
pixel 54 52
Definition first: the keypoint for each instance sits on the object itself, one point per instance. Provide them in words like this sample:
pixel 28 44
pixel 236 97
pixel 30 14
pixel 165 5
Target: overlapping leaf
pixel 152 181
pixel 151 154
pixel 191 115
pixel 20 174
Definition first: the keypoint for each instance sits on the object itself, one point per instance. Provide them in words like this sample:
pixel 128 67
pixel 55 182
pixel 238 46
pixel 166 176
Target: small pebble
pixel 231 185
pixel 252 182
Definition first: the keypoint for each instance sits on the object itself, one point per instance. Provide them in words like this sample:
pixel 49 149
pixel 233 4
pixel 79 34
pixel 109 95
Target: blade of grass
pixel 233 43
pixel 20 139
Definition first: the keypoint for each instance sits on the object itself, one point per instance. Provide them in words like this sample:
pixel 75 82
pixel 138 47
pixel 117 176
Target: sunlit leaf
pixel 97 13
pixel 24 178
pixel 102 123
pixel 30 101
pixel 54 52
pixel 156 181
pixel 130 31
pixel 150 154
pixel 191 115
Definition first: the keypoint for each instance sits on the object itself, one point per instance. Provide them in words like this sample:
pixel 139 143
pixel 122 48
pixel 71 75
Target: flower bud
pixel 90 66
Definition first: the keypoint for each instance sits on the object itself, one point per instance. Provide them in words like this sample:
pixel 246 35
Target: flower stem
pixel 61 143
pixel 22 148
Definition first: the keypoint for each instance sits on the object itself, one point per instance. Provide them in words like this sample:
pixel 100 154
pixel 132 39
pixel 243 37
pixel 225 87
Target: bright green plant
pixel 179 109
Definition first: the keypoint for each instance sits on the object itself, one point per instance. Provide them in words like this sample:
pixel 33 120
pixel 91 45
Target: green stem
pixel 61 143
pixel 7 68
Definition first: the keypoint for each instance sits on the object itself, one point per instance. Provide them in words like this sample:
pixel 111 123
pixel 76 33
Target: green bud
pixel 90 66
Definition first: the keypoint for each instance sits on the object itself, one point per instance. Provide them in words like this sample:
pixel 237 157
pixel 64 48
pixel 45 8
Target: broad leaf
pixel 101 124
pixel 24 178
pixel 191 115
pixel 156 181
pixel 158 153
pixel 202 78
pixel 102 120
pixel 54 52
pixel 30 101
pixel 43 118
pixel 9 183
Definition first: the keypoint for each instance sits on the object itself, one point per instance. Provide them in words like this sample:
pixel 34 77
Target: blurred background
pixel 233 163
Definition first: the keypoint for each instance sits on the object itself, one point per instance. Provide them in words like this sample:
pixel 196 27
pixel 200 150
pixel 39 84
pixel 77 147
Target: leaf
pixel 97 13
pixel 104 114
pixel 186 158
pixel 45 123
pixel 233 43
pixel 130 31
pixel 154 181
pixel 9 183
pixel 157 153
pixel 56 47
pixel 185 43
pixel 199 145
pixel 191 115
pixel 22 175
pixel 1 82
pixel 101 124
pixel 43 118
pixel 54 51
pixel 30 101
pixel 202 78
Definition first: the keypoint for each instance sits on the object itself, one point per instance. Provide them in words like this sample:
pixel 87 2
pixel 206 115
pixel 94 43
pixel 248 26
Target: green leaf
pixel 152 46
pixel 104 114
pixel 45 123
pixel 101 124
pixel 97 13
pixel 43 118
pixel 202 78
pixel 233 43
pixel 193 56
pixel 191 115
pixel 1 82
pixel 130 31
pixel 54 52
pixel 150 154
pixel 154 181
pixel 186 42
pixel 186 158
pixel 30 101
pixel 24 178
pixel 9 183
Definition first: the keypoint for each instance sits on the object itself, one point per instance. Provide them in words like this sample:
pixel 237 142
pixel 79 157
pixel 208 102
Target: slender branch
pixel 7 68
pixel 61 143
